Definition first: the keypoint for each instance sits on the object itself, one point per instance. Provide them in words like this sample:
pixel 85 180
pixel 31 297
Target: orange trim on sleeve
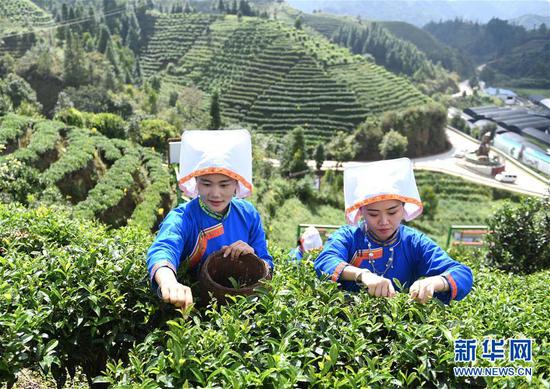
pixel 217 170
pixel 452 284
pixel 375 199
pixel 339 268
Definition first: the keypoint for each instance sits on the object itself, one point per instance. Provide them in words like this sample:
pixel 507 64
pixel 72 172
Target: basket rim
pixel 206 275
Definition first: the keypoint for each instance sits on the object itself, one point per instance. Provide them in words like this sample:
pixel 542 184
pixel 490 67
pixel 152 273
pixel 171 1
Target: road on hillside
pixel 446 163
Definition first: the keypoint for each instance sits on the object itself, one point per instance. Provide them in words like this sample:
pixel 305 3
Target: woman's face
pixel 383 217
pixel 216 191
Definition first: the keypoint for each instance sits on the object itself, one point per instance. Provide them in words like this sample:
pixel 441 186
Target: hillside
pixel 271 77
pixel 372 40
pixel 436 51
pixel 108 179
pixel 420 12
pixel 531 21
pixel 526 65
pixel 513 56
pixel 22 15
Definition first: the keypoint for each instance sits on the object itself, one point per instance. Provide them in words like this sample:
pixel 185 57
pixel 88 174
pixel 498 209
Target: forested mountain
pixel 514 56
pixel 18 15
pixel 372 40
pixel 420 12
pixel 531 22
pixel 268 75
pixel 437 52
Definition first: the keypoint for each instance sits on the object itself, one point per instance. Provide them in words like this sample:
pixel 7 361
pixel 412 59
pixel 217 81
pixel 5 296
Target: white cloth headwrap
pixel 311 239
pixel 227 152
pixel 382 180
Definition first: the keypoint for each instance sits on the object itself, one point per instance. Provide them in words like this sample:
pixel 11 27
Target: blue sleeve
pixel 433 261
pixel 295 254
pixel 168 246
pixel 334 257
pixel 256 239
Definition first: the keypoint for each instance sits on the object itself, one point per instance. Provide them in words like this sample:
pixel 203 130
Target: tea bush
pixel 520 241
pixel 72 293
pixel 300 331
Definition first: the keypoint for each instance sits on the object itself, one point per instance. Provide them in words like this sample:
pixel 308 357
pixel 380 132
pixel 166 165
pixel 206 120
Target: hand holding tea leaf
pixel 423 290
pixel 236 249
pixel 377 286
pixel 171 291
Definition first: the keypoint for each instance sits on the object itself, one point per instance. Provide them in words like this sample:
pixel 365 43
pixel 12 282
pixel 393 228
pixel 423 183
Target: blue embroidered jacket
pixel 192 232
pixel 415 256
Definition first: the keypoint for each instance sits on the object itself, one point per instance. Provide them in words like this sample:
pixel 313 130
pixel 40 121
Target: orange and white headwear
pixel 311 239
pixel 378 181
pixel 227 152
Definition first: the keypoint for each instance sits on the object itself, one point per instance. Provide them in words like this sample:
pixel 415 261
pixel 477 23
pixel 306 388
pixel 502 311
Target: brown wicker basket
pixel 216 273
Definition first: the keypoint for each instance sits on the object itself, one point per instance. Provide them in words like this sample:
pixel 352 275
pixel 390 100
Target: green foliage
pixel 300 331
pixel 423 126
pixel 293 159
pixel 340 148
pixel 393 145
pixel 520 237
pixel 215 117
pixel 82 166
pixel 71 117
pixel 514 55
pixel 155 133
pixel 319 156
pixel 17 180
pixel 430 201
pixel 7 65
pixel 17 90
pixel 436 51
pixel 73 293
pixel 109 124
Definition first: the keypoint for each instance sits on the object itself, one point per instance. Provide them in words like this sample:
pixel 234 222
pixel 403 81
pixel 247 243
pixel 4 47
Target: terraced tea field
pixel 16 15
pixel 108 179
pixel 272 77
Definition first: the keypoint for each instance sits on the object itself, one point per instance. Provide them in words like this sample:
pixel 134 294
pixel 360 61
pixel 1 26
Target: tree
pixel 340 149
pixel 7 65
pixel 18 90
pixel 215 117
pixel 393 145
pixel 104 38
pixel 155 133
pixel 520 236
pixel 366 139
pixel 293 159
pixel 429 200
pixel 221 6
pixel 74 68
pixel 319 156
pixel 298 23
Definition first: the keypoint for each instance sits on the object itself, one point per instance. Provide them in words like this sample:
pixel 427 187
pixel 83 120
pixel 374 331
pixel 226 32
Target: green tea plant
pixel 72 293
pixel 301 331
pixel 520 237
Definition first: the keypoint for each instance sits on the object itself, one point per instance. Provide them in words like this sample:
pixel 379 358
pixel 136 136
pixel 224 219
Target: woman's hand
pixel 423 290
pixel 376 286
pixel 176 294
pixel 236 249
pixel 171 291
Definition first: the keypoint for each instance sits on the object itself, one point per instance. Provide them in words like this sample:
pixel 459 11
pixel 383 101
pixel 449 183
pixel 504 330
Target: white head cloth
pixel 227 152
pixel 382 180
pixel 311 239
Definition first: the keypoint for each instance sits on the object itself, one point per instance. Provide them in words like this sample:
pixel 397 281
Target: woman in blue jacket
pixel 376 248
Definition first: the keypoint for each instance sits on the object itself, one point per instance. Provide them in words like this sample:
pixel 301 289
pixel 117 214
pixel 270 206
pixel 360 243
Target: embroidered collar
pixel 215 215
pixel 372 238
